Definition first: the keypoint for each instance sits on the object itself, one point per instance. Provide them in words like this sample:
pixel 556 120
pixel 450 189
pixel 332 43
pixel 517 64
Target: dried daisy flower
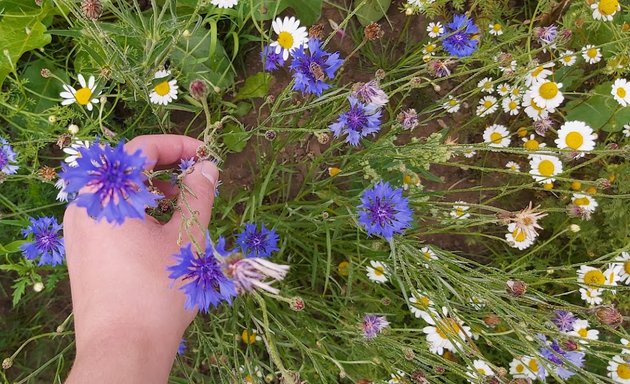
pixel 527 220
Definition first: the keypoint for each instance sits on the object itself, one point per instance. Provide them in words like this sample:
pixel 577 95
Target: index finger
pixel 164 149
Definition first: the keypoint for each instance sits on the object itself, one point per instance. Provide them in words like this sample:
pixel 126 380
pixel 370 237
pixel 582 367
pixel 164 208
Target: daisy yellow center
pixel 343 267
pixel 516 91
pixel 428 255
pixel 430 48
pixel 623 371
pixel 594 277
pixel 574 140
pixel 536 107
pixel 487 85
pixel 621 92
pixel 459 211
pixel 83 96
pixel 533 365
pixel 423 302
pixel 481 371
pixel 592 53
pixel 512 105
pixel 519 235
pixel 448 328
pixel 581 201
pixel 379 271
pixel 549 90
pixel 249 379
pixel 452 103
pixel 497 27
pixel 285 39
pixel 626 267
pixel 546 168
pixel 520 368
pixel 248 338
pixel 608 7
pixel 537 71
pixel 488 103
pixel 531 145
pixel 163 88
pixel 583 332
pixel 496 137
pixel 567 59
pixel 435 29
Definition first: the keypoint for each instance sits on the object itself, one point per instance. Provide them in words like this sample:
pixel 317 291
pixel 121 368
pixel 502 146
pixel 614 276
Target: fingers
pixel 163 150
pixel 196 199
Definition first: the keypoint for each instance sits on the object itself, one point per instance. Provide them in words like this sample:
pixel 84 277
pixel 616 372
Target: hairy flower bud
pixel 45 73
pixel 297 304
pixel 609 315
pixel 418 377
pixel 91 9
pixel 516 288
pixel 492 320
pixel 198 89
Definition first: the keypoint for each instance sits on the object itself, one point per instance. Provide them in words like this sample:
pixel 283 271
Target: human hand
pixel 128 316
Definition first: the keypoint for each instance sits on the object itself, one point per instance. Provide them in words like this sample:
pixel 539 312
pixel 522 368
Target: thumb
pixel 196 198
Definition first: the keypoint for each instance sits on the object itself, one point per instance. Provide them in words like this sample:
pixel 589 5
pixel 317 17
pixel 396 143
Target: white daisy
pixel 533 110
pixel 568 58
pixel 485 85
pixel 626 130
pixel 62 195
pixel 512 166
pixel 503 89
pixel 591 277
pixel 577 136
pixel 526 368
pixel 224 3
pixel 479 370
pixel 290 36
pixel 580 329
pixel 451 105
pixel 469 153
pixel 459 210
pixel 592 296
pixel 531 144
pixel 166 90
pixel 626 344
pixel 544 168
pixel 422 307
pixel 546 94
pixel 511 106
pixel 497 136
pixel 428 253
pixel 445 332
pixel 495 29
pixel 539 73
pixel 613 275
pixel 435 29
pixel 605 9
pixel 619 368
pixel 84 96
pixel 518 238
pixel 73 152
pixel 487 105
pixel 397 378
pixel 377 272
pixel 510 68
pixel 621 92
pixel 623 261
pixel 591 54
pixel 585 202
pixel 249 379
pixel 429 49
pixel 515 91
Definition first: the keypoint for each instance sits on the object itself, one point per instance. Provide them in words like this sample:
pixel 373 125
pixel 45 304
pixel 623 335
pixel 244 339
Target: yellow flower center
pixel 452 103
pixel 581 201
pixel 428 255
pixel 334 171
pixel 533 365
pixel 488 103
pixel 531 145
pixel 248 337
pixel 594 277
pixel 163 88
pixel 626 267
pixel 423 302
pixel 548 186
pixel 574 140
pixel 567 59
pixel 546 168
pixel 343 267
pixel 537 71
pixel 481 371
pixel 549 90
pixel 447 328
pixel 459 212
pixel 379 271
pixel 285 39
pixel 487 85
pixel 435 29
pixel 496 137
pixel 519 235
pixel 592 53
pixel 497 27
pixel 512 105
pixel 430 48
pixel 583 332
pixel 576 185
pixel 407 179
pixel 623 371
pixel 608 7
pixel 621 92
pixel 83 96
pixel 520 368
pixel 522 131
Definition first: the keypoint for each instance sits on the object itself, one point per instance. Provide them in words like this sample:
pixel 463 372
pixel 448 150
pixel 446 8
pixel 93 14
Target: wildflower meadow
pixel 410 191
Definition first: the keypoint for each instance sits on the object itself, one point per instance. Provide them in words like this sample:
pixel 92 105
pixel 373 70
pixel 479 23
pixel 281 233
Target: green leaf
pixel 308 12
pixel 600 110
pixel 18 290
pixel 45 90
pixel 255 86
pixel 11 247
pixel 372 10
pixel 235 137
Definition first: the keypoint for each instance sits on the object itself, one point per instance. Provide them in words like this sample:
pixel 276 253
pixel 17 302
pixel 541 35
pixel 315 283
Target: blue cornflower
pixel 7 156
pixel 564 320
pixel 46 243
pixel 360 121
pixel 562 360
pixel 384 211
pixel 460 36
pixel 270 59
pixel 113 181
pixel 311 66
pixel 186 165
pixel 255 243
pixel 372 325
pixel 182 347
pixel 207 285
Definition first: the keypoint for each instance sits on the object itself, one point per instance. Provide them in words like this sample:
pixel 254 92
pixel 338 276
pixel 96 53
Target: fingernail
pixel 210 172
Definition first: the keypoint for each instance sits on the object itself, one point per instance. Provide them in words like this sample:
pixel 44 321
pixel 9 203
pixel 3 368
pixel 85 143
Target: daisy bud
pixel 439 370
pixel 270 99
pixel 73 129
pixel 38 287
pixel 492 320
pixel 45 72
pixel 269 378
pixel 198 89
pixel 203 152
pixel 574 228
pixel 91 9
pixel 52 119
pixel 342 374
pixel 297 304
pixel 60 329
pixel 7 363
pixel 216 89
pixel 103 99
pixel 418 377
pixel 325 215
pixel 186 34
pixel 609 315
pixel 415 82
pixel 373 31
pixel 516 288
pixel 408 11
pixel 437 88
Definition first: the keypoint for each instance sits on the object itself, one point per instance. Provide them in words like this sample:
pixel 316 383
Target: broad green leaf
pixel 45 91
pixel 372 10
pixel 235 137
pixel 308 12
pixel 12 246
pixel 600 110
pixel 255 86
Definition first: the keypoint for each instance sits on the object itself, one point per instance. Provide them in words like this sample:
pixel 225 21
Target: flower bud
pixel 38 287
pixel 609 315
pixel 73 129
pixel 409 353
pixel 574 228
pixel 297 304
pixel 91 9
pixel 45 72
pixel 7 363
pixel 373 31
pixel 199 89
pixel 270 135
pixel 492 320
pixel 52 119
pixel 516 288
pixel 186 34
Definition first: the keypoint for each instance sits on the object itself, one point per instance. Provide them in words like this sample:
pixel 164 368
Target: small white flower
pixel 526 367
pixel 605 9
pixel 451 105
pixel 621 92
pixel 73 152
pixel 377 272
pixel 544 168
pixel 512 166
pixel 623 261
pixel 495 29
pixel 577 136
pixel 568 58
pixel 469 153
pixel 531 144
pixel 487 105
pixel 518 238
pixel 619 369
pixel 585 202
pixel 166 90
pixel 84 96
pixel 626 130
pixel 480 369
pixel 497 136
pixel 435 29
pixel 445 332
pixel 591 54
pixel 422 307
pixel 580 329
pixel 546 94
pixel 592 296
pixel 62 195
pixel 485 85
pixel 428 254
pixel 503 89
pixel 511 106
pixel 459 210
pixel 290 36
pixel 539 73
pixel 224 3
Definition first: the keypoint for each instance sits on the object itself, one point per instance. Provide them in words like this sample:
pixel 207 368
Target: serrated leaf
pixel 372 10
pixel 235 137
pixel 18 290
pixel 255 86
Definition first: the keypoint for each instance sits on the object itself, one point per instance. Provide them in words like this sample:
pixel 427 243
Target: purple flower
pixel 46 243
pixel 564 320
pixel 562 360
pixel 311 66
pixel 255 243
pixel 373 325
pixel 186 165
pixel 360 121
pixel 113 183
pixel 270 59
pixel 182 347
pixel 408 118
pixel 546 35
pixel 207 285
pixel 370 93
pixel 384 211
pixel 7 156
pixel 460 36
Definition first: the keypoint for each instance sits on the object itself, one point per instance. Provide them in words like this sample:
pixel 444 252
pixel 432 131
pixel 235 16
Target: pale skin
pixel 128 317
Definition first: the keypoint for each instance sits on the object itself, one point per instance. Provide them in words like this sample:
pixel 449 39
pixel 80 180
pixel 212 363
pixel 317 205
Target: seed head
pixel 270 135
pixel 45 72
pixel 91 9
pixel 47 173
pixel 609 315
pixel 315 31
pixel 373 31
pixel 409 353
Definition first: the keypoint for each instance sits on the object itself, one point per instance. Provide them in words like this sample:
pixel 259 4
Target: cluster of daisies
pixel 594 282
